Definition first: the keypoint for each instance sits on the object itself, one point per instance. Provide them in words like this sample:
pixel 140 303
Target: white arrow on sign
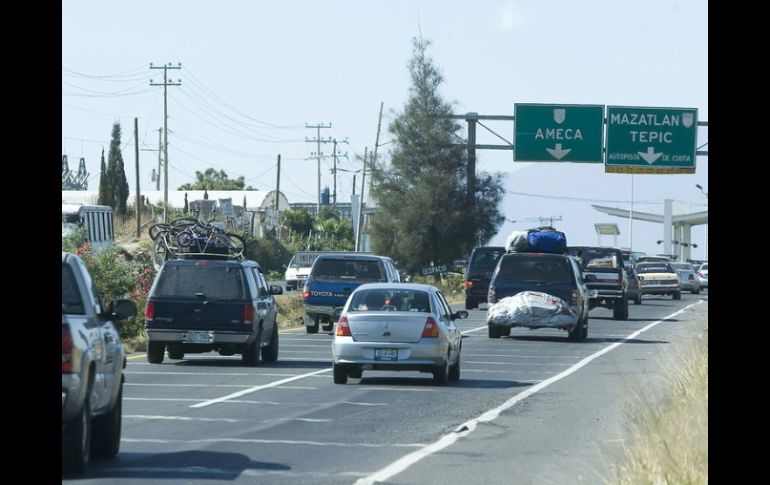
pixel 650 156
pixel 557 152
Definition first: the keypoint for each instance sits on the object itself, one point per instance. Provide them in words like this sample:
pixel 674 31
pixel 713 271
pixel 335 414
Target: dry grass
pixel 670 436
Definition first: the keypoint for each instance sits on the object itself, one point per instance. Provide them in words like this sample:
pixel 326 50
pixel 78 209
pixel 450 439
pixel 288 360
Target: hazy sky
pixel 255 73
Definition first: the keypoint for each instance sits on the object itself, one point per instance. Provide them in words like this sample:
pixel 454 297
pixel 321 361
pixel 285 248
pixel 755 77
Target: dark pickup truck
pixel 212 305
pixel 605 274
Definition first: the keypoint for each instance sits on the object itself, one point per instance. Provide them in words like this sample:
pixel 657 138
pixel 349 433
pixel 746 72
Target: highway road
pixel 530 408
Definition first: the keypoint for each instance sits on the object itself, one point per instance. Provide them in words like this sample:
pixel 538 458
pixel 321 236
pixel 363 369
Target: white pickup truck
pixel 298 269
pixel 92 363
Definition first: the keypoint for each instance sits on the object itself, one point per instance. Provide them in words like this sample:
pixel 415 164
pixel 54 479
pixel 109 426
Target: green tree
pixel 118 183
pixel 297 221
pixel 105 192
pixel 423 213
pixel 215 180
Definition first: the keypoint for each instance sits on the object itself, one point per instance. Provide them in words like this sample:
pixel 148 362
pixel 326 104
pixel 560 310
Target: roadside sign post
pixel 651 140
pixel 558 133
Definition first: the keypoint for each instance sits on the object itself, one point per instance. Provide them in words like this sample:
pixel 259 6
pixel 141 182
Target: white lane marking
pixel 305 359
pixel 304 420
pixel 182 385
pixel 180 418
pixel 272 403
pixel 474 330
pixel 399 389
pixel 172 373
pixel 542 356
pixel 275 442
pixel 514 363
pixel 258 388
pixel 468 427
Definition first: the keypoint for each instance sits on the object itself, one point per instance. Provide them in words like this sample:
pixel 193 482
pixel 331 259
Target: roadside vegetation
pixel 670 437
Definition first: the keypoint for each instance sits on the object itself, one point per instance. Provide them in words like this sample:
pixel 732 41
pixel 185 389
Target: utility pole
pixel 138 197
pixel 361 204
pixel 318 140
pixel 165 85
pixel 334 170
pixel 376 144
pixel 277 183
pixel 160 157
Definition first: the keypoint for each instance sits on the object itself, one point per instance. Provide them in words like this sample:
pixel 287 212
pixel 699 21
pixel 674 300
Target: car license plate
pixel 385 354
pixel 198 337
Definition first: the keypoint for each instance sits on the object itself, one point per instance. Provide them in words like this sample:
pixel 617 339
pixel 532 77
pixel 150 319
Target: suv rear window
pixel 485 259
pixel 596 257
pixel 347 269
pixel 216 282
pixel 522 269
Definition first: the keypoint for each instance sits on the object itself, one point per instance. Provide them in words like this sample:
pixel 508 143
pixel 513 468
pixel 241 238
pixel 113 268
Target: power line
pixel 100 76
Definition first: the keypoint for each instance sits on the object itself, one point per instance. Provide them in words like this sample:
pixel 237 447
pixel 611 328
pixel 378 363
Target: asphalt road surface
pixel 529 408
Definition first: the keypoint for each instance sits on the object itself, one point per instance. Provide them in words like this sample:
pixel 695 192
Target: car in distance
pixel 659 278
pixel 478 273
pixel 405 326
pixel 688 280
pixel 554 274
pixel 333 278
pixel 635 291
pixel 92 363
pixel 703 275
pixel 604 271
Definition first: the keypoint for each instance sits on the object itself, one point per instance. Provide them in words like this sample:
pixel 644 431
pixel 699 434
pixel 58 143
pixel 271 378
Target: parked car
pixel 333 278
pixel 554 274
pixel 92 363
pixel 659 278
pixel 481 265
pixel 407 326
pixel 703 275
pixel 688 280
pixel 212 305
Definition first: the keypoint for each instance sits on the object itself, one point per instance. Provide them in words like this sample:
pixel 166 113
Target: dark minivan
pixel 555 274
pixel 481 265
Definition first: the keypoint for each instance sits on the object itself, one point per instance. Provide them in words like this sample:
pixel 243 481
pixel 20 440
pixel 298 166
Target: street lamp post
pixel 706 229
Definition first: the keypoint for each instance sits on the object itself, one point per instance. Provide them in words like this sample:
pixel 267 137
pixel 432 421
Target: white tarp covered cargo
pixel 532 309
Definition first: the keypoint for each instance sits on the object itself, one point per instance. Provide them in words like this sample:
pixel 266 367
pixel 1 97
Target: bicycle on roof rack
pixel 190 238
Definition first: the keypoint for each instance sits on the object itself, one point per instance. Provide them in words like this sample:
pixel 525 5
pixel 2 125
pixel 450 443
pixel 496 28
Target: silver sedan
pixel 401 326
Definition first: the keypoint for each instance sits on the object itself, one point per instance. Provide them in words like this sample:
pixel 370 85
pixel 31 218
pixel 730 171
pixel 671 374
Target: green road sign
pixel 651 140
pixel 558 133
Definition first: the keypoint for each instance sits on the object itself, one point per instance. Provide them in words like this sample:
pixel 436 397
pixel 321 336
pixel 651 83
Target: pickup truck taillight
pixel 66 349
pixel 305 291
pixel 431 328
pixel 343 329
pixel 149 311
pixel 469 284
pixel 248 313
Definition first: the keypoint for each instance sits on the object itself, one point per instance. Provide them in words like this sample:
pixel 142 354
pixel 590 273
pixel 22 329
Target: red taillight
pixel 149 311
pixel 573 299
pixel 491 297
pixel 431 328
pixel 305 292
pixel 468 284
pixel 66 349
pixel 248 313
pixel 343 329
